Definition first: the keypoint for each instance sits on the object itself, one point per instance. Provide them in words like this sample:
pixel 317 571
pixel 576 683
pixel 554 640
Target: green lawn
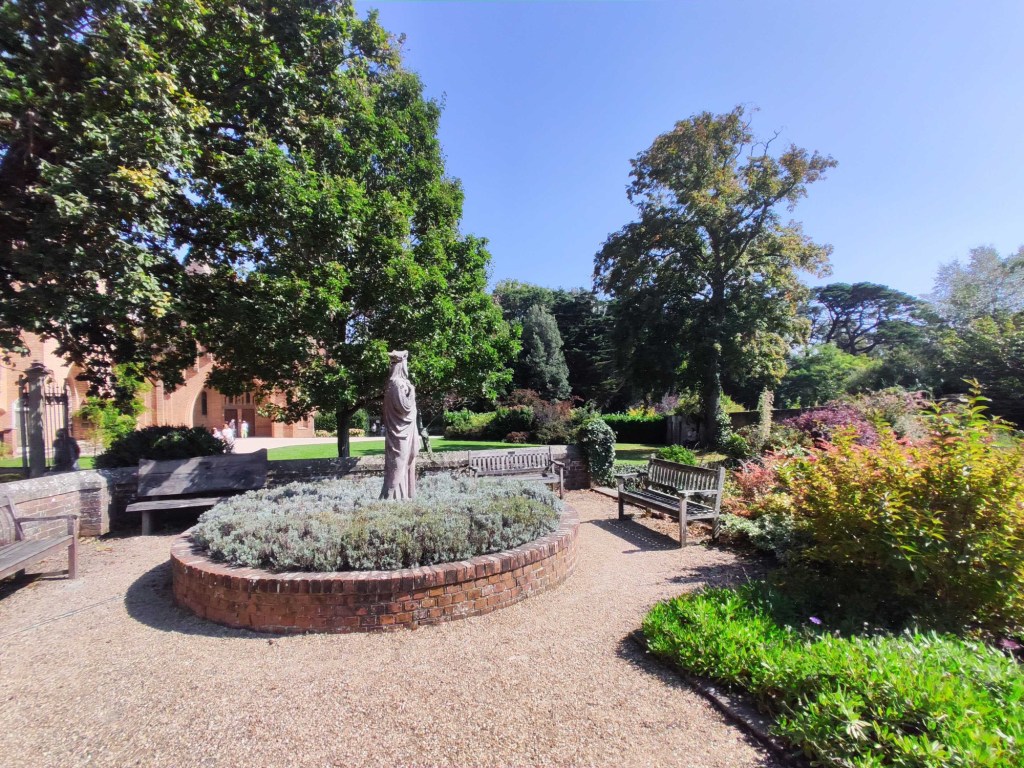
pixel 639 453
pixel 376 448
pixel 85 462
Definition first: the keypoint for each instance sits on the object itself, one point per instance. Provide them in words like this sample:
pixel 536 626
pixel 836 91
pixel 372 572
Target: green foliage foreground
pixel 341 525
pixel 913 700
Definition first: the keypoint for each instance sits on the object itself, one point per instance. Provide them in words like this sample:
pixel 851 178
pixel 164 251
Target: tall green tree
pixel 861 318
pixel 324 222
pixel 96 135
pixel 706 279
pixel 541 366
pixel 988 285
pixel 262 178
pixel 585 323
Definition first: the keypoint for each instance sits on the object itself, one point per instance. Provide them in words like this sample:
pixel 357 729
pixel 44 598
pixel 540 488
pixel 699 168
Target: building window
pixel 248 398
pixel 203 406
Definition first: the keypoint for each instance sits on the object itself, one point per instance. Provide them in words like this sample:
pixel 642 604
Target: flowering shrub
pixel 930 531
pixel 824 423
pixel 517 437
pixel 341 525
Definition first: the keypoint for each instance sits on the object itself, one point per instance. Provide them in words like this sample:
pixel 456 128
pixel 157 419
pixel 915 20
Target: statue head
pixel 399 363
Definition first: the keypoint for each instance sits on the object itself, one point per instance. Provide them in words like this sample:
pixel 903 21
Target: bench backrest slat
pixel 683 477
pixel 524 459
pixel 10 528
pixel 204 474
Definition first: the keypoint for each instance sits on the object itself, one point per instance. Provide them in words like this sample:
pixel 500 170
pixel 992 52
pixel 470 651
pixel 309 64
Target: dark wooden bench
pixel 667 487
pixel 16 551
pixel 522 464
pixel 195 483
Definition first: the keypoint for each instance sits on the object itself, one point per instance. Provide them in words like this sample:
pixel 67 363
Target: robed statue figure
pixel 401 440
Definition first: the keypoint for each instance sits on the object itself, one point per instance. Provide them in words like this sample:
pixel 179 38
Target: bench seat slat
pixel 14 557
pixel 165 504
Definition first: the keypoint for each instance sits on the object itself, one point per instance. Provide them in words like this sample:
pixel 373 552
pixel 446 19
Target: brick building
pixel 192 405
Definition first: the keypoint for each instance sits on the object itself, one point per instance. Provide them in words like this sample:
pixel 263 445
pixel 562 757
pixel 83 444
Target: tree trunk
pixel 711 399
pixel 344 418
pixel 711 384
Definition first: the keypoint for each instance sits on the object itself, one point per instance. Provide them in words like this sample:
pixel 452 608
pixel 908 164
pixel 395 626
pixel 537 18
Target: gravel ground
pixel 106 671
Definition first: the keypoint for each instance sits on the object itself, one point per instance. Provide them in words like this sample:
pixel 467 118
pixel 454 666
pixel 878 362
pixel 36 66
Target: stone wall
pixel 368 601
pixel 99 497
pixel 94 495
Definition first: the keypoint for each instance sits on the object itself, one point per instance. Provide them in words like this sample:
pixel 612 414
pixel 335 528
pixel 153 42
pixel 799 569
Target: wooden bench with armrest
pixel 17 552
pixel 520 463
pixel 668 487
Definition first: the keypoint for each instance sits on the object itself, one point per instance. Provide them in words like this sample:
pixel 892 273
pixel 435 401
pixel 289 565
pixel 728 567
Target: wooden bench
pixel 522 464
pixel 669 488
pixel 195 483
pixel 16 551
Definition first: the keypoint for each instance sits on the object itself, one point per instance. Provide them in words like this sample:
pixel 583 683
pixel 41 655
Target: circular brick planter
pixel 367 601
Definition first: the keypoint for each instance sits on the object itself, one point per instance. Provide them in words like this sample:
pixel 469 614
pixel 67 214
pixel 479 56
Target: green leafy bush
pixel 913 700
pixel 517 418
pixel 341 525
pixel 467 425
pixel 679 454
pixel 107 420
pixel 598 442
pixel 160 443
pixel 931 531
pixel 326 422
pixel 637 427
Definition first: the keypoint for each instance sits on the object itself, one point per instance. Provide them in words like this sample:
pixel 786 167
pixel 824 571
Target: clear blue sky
pixel 922 104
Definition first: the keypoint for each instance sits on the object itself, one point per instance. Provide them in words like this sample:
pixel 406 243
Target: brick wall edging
pixel 367 601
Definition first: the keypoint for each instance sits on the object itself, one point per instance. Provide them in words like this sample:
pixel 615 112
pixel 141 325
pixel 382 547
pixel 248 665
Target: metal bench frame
pixel 669 488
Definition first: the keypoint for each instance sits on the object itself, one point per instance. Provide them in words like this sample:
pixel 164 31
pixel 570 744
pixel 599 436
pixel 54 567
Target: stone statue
pixel 401 440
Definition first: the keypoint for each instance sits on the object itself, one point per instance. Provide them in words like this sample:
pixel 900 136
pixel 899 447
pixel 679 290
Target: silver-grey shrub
pixel 340 525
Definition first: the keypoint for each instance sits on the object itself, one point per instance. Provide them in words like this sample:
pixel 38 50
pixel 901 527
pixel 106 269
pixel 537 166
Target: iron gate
pixel 40 419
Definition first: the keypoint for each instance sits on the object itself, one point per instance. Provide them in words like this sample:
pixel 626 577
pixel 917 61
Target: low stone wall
pixel 99 497
pixel 94 495
pixel 368 601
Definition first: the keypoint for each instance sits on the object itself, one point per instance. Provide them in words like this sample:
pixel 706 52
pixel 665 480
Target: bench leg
pixel 622 509
pixel 682 521
pixel 147 523
pixel 73 559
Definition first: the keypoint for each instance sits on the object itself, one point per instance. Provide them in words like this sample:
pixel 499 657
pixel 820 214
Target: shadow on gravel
pixel 711 575
pixel 632 649
pixel 149 601
pixel 640 536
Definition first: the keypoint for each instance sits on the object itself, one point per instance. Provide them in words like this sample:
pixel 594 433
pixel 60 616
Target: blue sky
pixel 922 104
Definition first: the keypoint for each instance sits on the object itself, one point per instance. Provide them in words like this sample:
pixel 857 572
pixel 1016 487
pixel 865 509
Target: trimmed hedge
pixel 636 428
pixel 341 525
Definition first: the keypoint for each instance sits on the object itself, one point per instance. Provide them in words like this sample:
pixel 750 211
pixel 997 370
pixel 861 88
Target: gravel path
pixel 106 671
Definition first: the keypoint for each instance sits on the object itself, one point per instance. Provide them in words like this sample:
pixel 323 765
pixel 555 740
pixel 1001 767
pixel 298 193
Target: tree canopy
pixel 859 318
pixel 987 285
pixel 97 136
pixel 265 181
pixel 705 281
